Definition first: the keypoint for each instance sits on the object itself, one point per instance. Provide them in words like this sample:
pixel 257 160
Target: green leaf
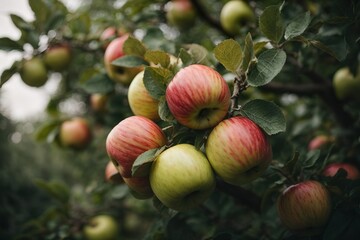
pixel 336 46
pixel 259 46
pixel 270 63
pixel 311 159
pixel 100 83
pixel 298 26
pixel 133 46
pixel 229 54
pixel 164 111
pixel 198 53
pixel 7 44
pixel 157 57
pixel 55 189
pixel 47 129
pixel 248 52
pixel 129 61
pixel 271 23
pixel 142 164
pixel 55 21
pixel 20 23
pixel 185 57
pixel 8 73
pixel 156 80
pixel 41 12
pixel 266 114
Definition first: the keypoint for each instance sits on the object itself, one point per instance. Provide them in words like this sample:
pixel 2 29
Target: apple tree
pixel 193 119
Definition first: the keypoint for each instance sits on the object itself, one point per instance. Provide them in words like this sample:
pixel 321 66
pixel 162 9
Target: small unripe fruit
pixel 34 73
pixel 346 86
pixel 101 227
pixel 75 133
pixel 180 13
pixel 58 57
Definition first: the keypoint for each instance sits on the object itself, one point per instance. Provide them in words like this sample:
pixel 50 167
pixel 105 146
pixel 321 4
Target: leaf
pixel 55 189
pixel 142 164
pixel 100 83
pixel 20 23
pixel 7 44
pixel 229 54
pixel 337 224
pixel 298 26
pixel 164 111
pixel 41 12
pixel 248 52
pixel 259 46
pixel 55 21
pixel 156 80
pixel 266 114
pixel 157 57
pixel 8 73
pixel 133 46
pixel 336 46
pixel 311 158
pixel 47 129
pixel 269 64
pixel 271 24
pixel 163 210
pixel 198 53
pixel 185 57
pixel 129 61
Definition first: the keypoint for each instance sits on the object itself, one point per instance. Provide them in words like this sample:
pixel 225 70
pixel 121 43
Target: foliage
pixel 279 70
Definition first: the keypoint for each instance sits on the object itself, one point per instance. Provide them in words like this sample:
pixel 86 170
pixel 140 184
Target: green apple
pixel 180 13
pixel 34 73
pixel 58 57
pixel 238 150
pixel 234 15
pixel 75 133
pixel 140 101
pixel 304 207
pixel 346 85
pixel 181 177
pixel 101 227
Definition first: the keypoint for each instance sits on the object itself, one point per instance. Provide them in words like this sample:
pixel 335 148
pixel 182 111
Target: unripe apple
pixel 238 150
pixel 33 72
pixel 58 57
pixel 101 227
pixel 234 15
pixel 304 206
pixel 140 187
pixel 112 174
pixel 332 168
pixel 180 13
pixel 140 101
pixel 198 97
pixel 181 177
pixel 319 141
pixel 98 102
pixel 75 133
pixel 130 138
pixel 114 50
pixel 346 86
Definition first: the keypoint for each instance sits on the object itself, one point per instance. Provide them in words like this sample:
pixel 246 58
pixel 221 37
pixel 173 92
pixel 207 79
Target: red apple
pixel 107 35
pixel 98 102
pixel 319 141
pixel 75 133
pixel 140 101
pixel 58 57
pixel 114 51
pixel 198 97
pixel 238 150
pixel 180 13
pixel 304 206
pixel 130 138
pixel 331 169
pixel 112 174
pixel 34 73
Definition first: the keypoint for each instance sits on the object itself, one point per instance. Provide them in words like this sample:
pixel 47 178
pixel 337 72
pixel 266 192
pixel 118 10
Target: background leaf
pixel 7 44
pixel 297 26
pixel 271 23
pixel 229 54
pixel 100 83
pixel 129 61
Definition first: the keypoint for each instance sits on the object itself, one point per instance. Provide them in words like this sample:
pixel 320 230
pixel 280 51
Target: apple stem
pixel 240 84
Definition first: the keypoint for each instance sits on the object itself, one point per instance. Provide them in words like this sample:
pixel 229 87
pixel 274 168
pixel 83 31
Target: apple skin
pixel 140 101
pixel 304 206
pixel 234 15
pixel 112 175
pixel 331 169
pixel 346 85
pixel 319 141
pixel 130 138
pixel 181 177
pixel 180 13
pixel 198 97
pixel 107 35
pixel 101 227
pixel 238 150
pixel 58 57
pixel 98 102
pixel 34 73
pixel 113 51
pixel 75 133
pixel 140 187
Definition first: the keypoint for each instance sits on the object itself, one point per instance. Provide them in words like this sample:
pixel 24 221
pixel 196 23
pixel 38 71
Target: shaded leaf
pixel 55 189
pixel 185 57
pixel 55 21
pixel 8 73
pixel 133 46
pixel 41 12
pixel 129 61
pixel 198 53
pixel 46 129
pixel 271 23
pixel 266 114
pixel 336 46
pixel 229 54
pixel 248 52
pixel 7 44
pixel 100 83
pixel 311 158
pixel 259 46
pixel 142 164
pixel 164 111
pixel 298 26
pixel 157 57
pixel 156 80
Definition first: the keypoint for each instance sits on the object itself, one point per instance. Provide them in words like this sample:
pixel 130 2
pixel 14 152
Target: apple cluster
pixel 180 175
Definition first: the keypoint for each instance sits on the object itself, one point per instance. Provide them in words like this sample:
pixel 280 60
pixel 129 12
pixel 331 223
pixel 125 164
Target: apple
pixel 101 227
pixel 98 102
pixel 114 50
pixel 58 57
pixel 304 206
pixel 140 101
pixel 180 13
pixel 346 85
pixel 238 150
pixel 75 133
pixel 181 177
pixel 139 186
pixel 234 15
pixel 130 138
pixel 107 35
pixel 33 72
pixel 198 97
pixel 319 141
pixel 112 174
pixel 331 169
